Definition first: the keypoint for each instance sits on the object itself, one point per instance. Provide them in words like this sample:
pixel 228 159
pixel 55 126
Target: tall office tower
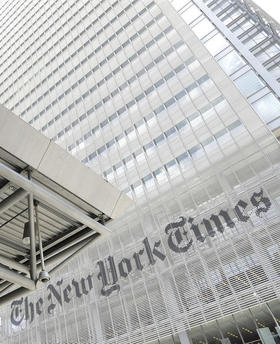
pixel 173 102
pixel 245 42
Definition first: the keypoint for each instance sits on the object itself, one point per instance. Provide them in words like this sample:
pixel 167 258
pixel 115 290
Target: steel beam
pixel 13 295
pixel 54 201
pixel 73 255
pixel 20 292
pixel 33 269
pixel 12 264
pixel 13 247
pixel 4 285
pixel 68 244
pixel 39 235
pixel 56 259
pixel 62 257
pixel 11 200
pixel 16 278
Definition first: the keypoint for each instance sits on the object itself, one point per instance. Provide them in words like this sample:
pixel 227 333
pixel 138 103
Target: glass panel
pixel 231 62
pixel 203 28
pixel 268 107
pixel 274 125
pixel 216 44
pixel 178 4
pixel 191 14
pixel 248 83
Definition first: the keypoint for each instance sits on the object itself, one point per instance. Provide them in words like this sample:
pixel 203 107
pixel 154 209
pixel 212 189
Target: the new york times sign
pixel 151 252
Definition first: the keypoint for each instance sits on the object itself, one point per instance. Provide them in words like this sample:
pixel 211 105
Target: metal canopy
pixel 72 205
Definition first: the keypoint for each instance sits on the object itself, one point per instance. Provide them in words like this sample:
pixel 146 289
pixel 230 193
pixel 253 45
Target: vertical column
pixel 33 267
pixel 238 329
pixel 264 333
pixel 185 338
pixel 224 340
pixel 266 336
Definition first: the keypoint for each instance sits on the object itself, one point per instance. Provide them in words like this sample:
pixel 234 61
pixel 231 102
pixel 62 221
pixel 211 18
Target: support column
pixel 185 338
pixel 33 267
pixel 238 329
pixel 277 327
pixel 266 336
pixel 224 340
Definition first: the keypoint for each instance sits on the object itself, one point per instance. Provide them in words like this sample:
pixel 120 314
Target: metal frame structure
pixel 61 223
pixel 252 60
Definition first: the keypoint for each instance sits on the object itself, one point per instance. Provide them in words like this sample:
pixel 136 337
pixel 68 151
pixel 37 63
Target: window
pixel 110 144
pixel 138 188
pixel 160 175
pixel 101 150
pixel 159 140
pixel 180 95
pixel 183 160
pixel 234 125
pixel 128 162
pixel 172 168
pixel 216 44
pixel 92 156
pixel 203 28
pixel 191 14
pixel 149 182
pixel 195 152
pixel 130 133
pixel 181 125
pixel 140 126
pixel 149 148
pixel 248 83
pixel 121 140
pixel 178 4
pixel 231 62
pixel 109 174
pixel 268 107
pixel 119 169
pixel 139 156
pixel 151 121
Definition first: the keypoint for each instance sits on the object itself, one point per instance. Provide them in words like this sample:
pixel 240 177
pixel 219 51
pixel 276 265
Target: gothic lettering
pixel 239 210
pixel 56 294
pixel 209 228
pixel 108 287
pixel 136 257
pixel 29 310
pixel 260 202
pixel 90 281
pixel 177 240
pixel 155 252
pixel 83 285
pixel 196 230
pixel 66 293
pixel 176 231
pixel 17 312
pixel 39 304
pixel 125 270
pixel 77 288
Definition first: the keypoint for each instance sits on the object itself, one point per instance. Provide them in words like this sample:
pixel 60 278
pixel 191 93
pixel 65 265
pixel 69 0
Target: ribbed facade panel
pixel 134 91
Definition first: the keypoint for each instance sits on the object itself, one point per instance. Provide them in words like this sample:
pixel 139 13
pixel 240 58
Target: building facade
pixel 177 104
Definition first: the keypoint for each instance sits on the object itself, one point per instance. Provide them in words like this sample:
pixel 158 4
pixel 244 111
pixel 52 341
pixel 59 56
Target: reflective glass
pixel 231 62
pixel 249 83
pixel 178 4
pixel 268 107
pixel 203 28
pixel 191 14
pixel 216 44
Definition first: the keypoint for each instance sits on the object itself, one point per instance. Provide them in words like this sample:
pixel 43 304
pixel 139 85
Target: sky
pixel 272 7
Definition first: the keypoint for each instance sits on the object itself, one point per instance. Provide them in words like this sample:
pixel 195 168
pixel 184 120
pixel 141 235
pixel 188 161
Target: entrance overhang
pixel 63 204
